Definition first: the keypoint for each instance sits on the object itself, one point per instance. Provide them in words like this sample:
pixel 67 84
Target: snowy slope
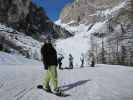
pixel 103 82
pixel 14 59
pixel 72 29
pixel 20 43
pixel 79 43
pixel 20 76
pixel 75 45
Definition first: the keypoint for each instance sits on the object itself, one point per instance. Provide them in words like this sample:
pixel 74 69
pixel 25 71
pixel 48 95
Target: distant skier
pixel 70 61
pixel 60 61
pixel 92 61
pixel 1 47
pixel 82 60
pixel 1 44
pixel 49 57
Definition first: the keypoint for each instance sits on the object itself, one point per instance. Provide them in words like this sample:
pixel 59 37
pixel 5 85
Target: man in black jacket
pixel 59 60
pixel 49 57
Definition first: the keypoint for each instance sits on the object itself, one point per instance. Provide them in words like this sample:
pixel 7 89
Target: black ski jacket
pixel 49 54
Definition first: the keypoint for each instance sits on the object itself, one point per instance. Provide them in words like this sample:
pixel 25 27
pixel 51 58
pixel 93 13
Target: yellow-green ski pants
pixel 51 75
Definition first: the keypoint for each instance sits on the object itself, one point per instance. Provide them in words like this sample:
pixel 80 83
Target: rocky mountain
pixel 114 40
pixel 110 25
pixel 22 25
pixel 11 11
pixel 84 11
pixel 17 43
pixel 30 19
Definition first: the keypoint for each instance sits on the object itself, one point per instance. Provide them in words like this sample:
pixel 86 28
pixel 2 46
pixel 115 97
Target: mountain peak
pixel 84 11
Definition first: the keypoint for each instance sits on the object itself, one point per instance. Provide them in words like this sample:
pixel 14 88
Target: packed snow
pixel 103 82
pixel 13 59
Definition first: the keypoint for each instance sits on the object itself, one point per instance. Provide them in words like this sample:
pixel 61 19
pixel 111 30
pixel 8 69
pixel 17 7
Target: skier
pixel 1 44
pixel 92 61
pixel 49 57
pixel 82 60
pixel 1 47
pixel 60 61
pixel 70 61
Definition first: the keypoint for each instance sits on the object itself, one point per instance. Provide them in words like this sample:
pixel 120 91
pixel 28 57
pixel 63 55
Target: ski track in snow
pixel 103 82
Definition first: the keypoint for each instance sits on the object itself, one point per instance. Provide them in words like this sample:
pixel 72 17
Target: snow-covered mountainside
pixel 112 43
pixel 109 38
pixel 18 43
pixel 79 44
pixel 76 45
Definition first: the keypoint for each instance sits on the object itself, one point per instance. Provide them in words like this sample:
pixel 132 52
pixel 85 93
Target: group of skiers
pixel 70 61
pixel 50 61
pixel 82 58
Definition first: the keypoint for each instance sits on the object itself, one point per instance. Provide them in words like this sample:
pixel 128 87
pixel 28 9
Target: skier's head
pixel 48 40
pixel 82 54
pixel 70 54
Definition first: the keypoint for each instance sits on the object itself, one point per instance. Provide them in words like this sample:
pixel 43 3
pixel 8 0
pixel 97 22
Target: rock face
pixel 27 22
pixel 14 42
pixel 84 11
pixel 111 31
pixel 38 24
pixel 12 11
pixel 114 45
pixel 29 18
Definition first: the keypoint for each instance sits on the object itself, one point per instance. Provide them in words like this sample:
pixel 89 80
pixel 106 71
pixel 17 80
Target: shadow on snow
pixel 73 85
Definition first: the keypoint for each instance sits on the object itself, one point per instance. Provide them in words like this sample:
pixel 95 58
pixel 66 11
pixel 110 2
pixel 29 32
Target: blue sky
pixel 52 7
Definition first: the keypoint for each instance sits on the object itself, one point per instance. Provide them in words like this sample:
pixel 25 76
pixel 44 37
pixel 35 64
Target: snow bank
pixel 10 59
pixel 99 27
pixel 73 29
pixel 29 47
pixel 4 28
